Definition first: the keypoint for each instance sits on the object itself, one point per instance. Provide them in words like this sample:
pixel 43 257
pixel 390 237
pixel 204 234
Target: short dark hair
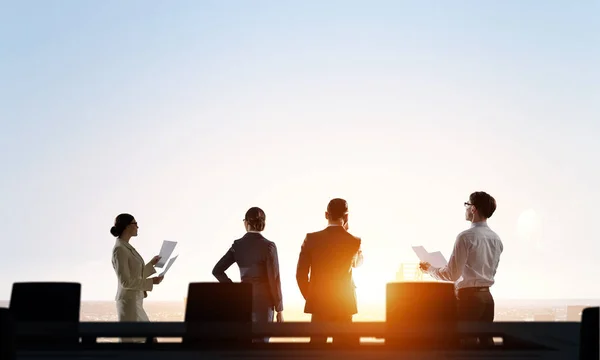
pixel 337 208
pixel 256 219
pixel 484 203
pixel 122 221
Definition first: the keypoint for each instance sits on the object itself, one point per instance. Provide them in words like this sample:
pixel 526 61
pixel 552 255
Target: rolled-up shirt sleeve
pixel 274 277
pixel 456 264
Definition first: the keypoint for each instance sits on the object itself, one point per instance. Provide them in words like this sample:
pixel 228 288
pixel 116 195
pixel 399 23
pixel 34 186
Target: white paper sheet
pixel 171 261
pixel 436 259
pixel 422 254
pixel 165 252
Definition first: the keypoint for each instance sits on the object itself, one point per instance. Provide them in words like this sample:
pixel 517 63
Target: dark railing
pixel 418 326
pixel 544 334
pixel 515 340
pixel 512 337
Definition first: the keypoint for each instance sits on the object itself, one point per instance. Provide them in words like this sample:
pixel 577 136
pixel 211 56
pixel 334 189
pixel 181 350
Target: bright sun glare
pixel 370 287
pixel 529 227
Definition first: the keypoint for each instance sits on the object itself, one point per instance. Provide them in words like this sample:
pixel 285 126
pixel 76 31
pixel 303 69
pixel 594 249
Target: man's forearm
pixel 439 273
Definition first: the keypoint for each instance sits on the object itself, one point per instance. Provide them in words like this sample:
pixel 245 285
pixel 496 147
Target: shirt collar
pixel 479 223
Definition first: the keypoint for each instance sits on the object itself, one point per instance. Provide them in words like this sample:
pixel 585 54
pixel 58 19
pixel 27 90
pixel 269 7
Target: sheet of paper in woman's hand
pixel 171 261
pixel 165 251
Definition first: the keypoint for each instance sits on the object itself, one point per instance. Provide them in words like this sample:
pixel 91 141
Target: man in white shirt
pixel 474 261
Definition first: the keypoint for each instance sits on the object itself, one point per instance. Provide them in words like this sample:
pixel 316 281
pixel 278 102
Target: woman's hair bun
pixel 122 221
pixel 114 232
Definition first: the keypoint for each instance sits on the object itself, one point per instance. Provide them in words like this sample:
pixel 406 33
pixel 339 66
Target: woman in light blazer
pixel 132 273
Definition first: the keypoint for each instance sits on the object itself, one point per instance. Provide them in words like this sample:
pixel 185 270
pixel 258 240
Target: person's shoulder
pixel 271 246
pixel 268 242
pixel 311 236
pixel 238 242
pixel 468 231
pixel 119 249
pixel 466 235
pixel 319 232
pixel 314 234
pixel 487 231
pixel 494 235
pixel 354 237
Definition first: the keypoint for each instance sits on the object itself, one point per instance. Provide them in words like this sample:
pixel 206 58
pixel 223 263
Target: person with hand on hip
pixel 258 261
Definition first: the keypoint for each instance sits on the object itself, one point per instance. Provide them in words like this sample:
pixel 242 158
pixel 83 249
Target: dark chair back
pixel 212 303
pixel 49 302
pixel 589 334
pixel 7 335
pixel 417 306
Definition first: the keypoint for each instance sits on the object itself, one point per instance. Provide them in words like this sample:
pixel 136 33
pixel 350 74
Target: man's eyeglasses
pixel 467 204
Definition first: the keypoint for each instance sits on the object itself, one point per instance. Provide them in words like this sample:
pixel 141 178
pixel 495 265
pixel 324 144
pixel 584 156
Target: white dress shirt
pixel 474 260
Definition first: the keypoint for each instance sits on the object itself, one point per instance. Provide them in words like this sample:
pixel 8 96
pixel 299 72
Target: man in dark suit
pixel 329 256
pixel 259 265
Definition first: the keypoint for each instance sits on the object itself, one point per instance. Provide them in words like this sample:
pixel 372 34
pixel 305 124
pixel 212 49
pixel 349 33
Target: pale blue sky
pixel 186 113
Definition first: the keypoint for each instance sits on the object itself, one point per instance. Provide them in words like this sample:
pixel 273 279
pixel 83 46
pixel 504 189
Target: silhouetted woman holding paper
pixel 259 265
pixel 132 273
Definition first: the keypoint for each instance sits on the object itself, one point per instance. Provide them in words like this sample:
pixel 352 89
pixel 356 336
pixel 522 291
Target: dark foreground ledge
pixel 542 340
pixel 534 331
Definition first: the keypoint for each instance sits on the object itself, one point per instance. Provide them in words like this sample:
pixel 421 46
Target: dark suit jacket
pixel 259 265
pixel 329 255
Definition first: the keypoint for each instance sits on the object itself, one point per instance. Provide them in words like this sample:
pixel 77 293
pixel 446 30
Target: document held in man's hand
pixel 436 259
pixel 422 254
